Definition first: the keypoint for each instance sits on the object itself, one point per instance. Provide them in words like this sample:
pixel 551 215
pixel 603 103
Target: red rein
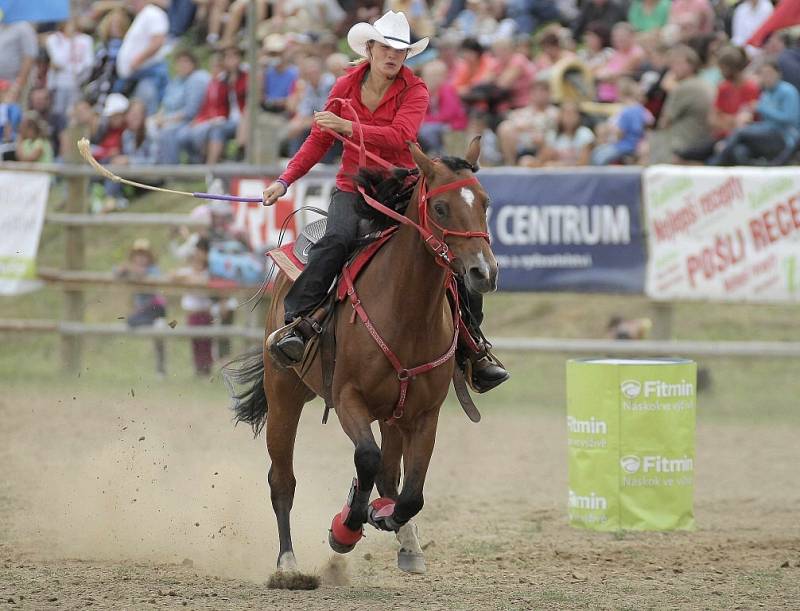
pixel 437 246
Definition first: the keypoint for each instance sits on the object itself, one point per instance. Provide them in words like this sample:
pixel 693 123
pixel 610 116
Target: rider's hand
pixel 272 193
pixel 327 119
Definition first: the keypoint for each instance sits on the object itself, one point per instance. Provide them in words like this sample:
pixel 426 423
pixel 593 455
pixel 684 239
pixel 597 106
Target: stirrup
pixel 274 340
pixel 476 384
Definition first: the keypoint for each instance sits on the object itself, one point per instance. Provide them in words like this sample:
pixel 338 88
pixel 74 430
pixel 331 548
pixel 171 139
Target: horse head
pixel 456 214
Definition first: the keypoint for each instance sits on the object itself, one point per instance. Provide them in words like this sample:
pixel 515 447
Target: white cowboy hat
pixel 392 29
pixel 116 103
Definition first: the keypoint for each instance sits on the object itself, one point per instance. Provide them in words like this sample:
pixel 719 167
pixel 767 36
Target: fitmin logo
pixel 633 389
pixel 659 464
pixel 592 501
pixel 591 426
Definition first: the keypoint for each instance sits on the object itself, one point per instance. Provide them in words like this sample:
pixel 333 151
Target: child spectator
pixel 569 145
pixel 197 305
pixel 524 131
pixel 32 143
pixel 445 110
pixel 279 75
pixel 149 309
pixel 108 138
pixel 10 117
pixel 310 94
pixel 625 130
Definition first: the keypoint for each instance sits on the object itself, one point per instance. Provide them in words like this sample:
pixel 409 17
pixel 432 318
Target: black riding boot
pixel 486 372
pixel 325 260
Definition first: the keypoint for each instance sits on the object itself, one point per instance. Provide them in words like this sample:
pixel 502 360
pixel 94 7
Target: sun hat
pixel 275 43
pixel 392 29
pixel 116 103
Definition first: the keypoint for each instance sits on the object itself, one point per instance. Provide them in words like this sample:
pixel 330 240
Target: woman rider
pixel 391 103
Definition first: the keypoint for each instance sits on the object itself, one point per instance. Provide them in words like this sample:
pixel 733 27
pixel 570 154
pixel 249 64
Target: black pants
pixel 327 257
pixel 752 144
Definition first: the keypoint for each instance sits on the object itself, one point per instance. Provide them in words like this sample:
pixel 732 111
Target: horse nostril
pixel 479 273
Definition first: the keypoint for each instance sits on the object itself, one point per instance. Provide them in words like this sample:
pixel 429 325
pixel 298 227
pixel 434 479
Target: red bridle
pixel 437 245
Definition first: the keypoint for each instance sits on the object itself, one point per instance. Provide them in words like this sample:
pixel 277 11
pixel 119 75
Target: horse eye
pixel 440 209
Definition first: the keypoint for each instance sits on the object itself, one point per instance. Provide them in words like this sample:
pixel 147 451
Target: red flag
pixel 785 15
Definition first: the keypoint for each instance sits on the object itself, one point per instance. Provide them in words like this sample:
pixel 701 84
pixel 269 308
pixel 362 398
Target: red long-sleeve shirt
pixel 395 121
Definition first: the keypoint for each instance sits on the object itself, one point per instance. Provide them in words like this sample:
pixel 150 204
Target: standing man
pixel 19 51
pixel 141 60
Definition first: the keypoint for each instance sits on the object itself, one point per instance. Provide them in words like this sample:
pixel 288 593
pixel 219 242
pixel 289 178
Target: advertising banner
pixel 566 231
pixel 262 224
pixel 23 201
pixel 726 234
pixel 631 443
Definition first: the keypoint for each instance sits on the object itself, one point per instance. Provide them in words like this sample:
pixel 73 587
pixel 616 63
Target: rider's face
pixel 386 60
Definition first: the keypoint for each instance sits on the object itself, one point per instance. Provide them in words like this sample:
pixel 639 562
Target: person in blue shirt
pixel 627 126
pixel 279 76
pixel 10 118
pixel 773 138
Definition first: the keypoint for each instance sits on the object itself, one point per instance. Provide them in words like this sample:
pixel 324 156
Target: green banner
pixel 630 437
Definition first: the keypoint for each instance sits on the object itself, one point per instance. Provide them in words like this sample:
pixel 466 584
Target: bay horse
pixel 404 290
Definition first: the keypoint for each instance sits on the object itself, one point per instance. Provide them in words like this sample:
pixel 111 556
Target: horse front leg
pixel 347 526
pixel 409 557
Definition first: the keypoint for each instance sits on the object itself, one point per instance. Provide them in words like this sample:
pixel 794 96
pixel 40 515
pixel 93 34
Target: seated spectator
pixel 781 47
pixel 279 76
pixel 148 308
pixel 684 121
pixel 648 15
pixel 32 143
pixel 110 33
pixel 219 116
pixel 570 144
pixel 524 130
pixel 20 49
pixel 10 117
pixel 40 102
pixel 107 140
pixel 182 100
pixel 736 93
pixel 553 50
pixel 707 47
pixel 337 64
pixel 310 94
pixel 653 80
pixel 514 73
pixel 418 14
pixel 695 14
pixel 181 14
pixel 477 21
pixel 322 16
pixel 141 60
pixel 138 148
pixel 747 18
pixel 623 132
pixel 232 14
pixel 607 12
pixel 624 61
pixel 596 49
pixel 472 72
pixel 773 138
pixel 529 15
pixel 445 110
pixel 71 55
pixel 82 117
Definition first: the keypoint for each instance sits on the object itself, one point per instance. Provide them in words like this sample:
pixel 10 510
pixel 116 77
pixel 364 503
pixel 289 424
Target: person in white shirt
pixel 747 18
pixel 141 59
pixel 71 56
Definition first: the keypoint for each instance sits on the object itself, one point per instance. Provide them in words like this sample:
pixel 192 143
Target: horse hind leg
pixel 286 405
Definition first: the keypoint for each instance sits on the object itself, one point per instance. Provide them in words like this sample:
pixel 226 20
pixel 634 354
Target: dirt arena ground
pixel 134 500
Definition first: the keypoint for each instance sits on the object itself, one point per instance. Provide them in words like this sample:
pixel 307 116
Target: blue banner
pixel 567 231
pixel 35 11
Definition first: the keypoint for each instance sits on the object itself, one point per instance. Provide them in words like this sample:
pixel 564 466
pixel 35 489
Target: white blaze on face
pixel 468 196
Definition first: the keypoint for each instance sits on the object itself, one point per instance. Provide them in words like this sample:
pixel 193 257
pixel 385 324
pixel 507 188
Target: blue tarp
pixel 34 10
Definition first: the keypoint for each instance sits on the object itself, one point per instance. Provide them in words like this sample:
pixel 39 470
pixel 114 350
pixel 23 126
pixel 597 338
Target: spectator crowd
pixel 546 82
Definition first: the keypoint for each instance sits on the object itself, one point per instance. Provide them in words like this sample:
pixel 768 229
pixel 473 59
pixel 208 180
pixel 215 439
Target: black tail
pixel 244 377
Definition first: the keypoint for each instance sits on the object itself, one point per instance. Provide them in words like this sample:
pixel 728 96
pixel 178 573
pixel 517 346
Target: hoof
pixel 341 538
pixel 287 562
pixel 411 562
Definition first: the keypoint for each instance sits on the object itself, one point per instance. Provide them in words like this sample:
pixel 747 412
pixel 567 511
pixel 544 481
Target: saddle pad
pixel 287 260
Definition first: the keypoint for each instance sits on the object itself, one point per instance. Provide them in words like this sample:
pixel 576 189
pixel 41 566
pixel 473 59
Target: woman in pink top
pixel 699 9
pixel 513 72
pixel 624 61
pixel 445 110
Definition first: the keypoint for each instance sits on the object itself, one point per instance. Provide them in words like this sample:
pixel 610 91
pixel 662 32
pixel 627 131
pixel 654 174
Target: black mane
pixel 394 188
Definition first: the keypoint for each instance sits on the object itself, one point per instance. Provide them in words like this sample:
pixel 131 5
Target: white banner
pixel 725 234
pixel 23 200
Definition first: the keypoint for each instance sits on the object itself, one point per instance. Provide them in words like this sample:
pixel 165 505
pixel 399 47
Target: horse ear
pixel 473 151
pixel 424 163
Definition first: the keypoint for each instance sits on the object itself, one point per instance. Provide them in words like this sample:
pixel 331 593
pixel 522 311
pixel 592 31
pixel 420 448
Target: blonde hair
pixel 104 27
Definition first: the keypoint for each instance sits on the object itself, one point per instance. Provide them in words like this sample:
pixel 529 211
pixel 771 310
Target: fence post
pixel 74 302
pixel 662 320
